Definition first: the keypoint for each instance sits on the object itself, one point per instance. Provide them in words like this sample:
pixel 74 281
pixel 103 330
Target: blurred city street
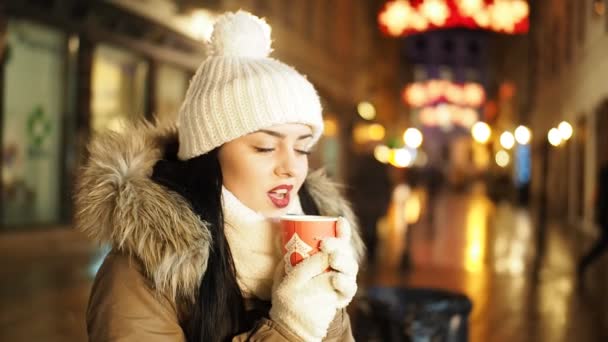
pixel 474 246
pixel 488 251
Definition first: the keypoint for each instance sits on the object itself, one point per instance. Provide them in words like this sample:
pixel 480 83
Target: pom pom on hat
pixel 238 89
pixel 240 34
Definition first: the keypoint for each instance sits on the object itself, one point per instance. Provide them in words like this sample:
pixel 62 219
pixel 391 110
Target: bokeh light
pixel 565 129
pixel 382 153
pixel 402 157
pixel 502 158
pixel 412 138
pixel 523 135
pixel 554 136
pixel 507 140
pixel 376 132
pixel 330 127
pixel 481 132
pixel 366 110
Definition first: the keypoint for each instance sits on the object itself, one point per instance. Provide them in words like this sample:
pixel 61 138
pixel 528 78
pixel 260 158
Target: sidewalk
pixel 46 279
pixel 487 251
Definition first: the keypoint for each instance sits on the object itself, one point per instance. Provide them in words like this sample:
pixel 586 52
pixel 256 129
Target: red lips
pixel 280 195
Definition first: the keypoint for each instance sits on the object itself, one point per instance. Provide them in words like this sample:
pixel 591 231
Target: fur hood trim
pixel 117 203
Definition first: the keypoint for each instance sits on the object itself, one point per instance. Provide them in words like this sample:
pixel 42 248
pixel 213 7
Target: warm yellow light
pixel 482 18
pixel 376 132
pixel 412 138
pixel 415 95
pixel 499 15
pixel 435 88
pixel 523 135
pixel 418 21
pixel 470 7
pixel 330 128
pixel 502 16
pixel 481 156
pixel 554 136
pixel 365 133
pixel 382 153
pixel 565 129
pixel 436 11
pixel 454 93
pixel 476 234
pixel 360 134
pixel 481 132
pixel 396 16
pixel 520 9
pixel 507 140
pixel 412 208
pixel 443 114
pixel 366 110
pixel 502 158
pixel 428 117
pixel 401 158
pixel 473 94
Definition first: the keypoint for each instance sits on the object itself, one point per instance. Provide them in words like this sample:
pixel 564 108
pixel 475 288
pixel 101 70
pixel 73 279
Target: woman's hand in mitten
pixel 342 260
pixel 305 301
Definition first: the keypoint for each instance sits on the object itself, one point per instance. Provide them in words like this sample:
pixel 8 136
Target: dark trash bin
pixel 412 314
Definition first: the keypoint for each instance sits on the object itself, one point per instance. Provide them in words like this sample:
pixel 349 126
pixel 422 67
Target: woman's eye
pixel 304 152
pixel 264 150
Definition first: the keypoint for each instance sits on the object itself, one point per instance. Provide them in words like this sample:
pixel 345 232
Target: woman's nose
pixel 286 166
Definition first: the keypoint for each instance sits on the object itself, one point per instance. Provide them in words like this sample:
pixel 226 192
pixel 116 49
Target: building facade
pixel 570 72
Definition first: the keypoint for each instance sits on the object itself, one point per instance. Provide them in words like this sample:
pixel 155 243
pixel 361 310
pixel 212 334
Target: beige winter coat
pixel 159 245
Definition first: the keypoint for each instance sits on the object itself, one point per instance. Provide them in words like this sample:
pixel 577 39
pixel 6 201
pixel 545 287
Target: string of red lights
pixel 405 17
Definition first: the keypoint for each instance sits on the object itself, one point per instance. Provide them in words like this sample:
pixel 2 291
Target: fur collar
pixel 118 204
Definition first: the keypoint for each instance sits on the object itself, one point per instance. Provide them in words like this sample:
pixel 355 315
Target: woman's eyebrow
pixel 282 136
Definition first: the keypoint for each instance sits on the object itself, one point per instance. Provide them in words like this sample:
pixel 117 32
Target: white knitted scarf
pixel 253 241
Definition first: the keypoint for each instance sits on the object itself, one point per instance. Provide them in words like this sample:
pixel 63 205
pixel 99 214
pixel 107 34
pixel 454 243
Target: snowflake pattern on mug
pixel 295 245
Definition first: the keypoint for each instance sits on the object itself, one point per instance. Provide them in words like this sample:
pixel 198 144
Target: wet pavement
pixel 472 246
pixel 488 252
pixel 45 285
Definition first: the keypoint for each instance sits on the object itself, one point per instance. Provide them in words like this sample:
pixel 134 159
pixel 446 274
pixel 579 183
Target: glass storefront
pixel 118 88
pixel 34 85
pixel 171 85
pixel 39 143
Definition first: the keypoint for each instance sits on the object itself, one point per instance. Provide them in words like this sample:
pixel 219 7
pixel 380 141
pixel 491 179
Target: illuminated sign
pixel 405 17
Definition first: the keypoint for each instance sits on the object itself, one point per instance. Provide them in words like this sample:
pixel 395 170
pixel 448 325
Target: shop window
pixel 118 88
pixel 33 93
pixel 171 85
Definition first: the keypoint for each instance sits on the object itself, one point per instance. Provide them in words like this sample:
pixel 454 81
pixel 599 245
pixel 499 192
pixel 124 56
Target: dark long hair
pixel 219 312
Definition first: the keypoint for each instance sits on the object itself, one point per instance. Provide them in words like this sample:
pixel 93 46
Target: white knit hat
pixel 239 89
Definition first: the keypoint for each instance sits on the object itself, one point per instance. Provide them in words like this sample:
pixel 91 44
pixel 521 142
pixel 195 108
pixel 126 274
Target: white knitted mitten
pixel 305 301
pixel 342 260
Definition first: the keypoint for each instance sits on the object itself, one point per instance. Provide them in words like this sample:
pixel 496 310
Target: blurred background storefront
pixel 71 69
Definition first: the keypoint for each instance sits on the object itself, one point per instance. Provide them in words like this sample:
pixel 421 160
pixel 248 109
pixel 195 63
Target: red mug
pixel 302 235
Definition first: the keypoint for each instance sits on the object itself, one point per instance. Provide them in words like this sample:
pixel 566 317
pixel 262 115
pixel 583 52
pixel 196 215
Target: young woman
pixel 188 210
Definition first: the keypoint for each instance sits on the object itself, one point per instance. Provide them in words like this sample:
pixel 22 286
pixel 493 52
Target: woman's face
pixel 266 169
